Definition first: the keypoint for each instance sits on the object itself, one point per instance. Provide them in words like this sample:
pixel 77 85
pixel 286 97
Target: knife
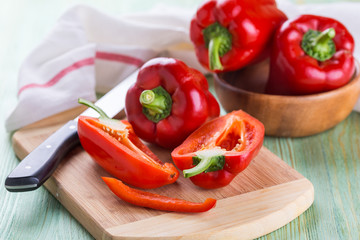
pixel 39 165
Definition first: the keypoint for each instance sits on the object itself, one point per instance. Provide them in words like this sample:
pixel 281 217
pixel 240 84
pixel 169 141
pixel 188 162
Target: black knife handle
pixel 38 166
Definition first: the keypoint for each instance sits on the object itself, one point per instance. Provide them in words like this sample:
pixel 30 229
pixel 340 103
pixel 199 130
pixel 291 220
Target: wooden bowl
pixel 285 116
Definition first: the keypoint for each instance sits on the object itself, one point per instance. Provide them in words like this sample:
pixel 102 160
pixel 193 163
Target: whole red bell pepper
pixel 220 149
pixel 156 201
pixel 169 101
pixel 311 54
pixel 115 147
pixel 231 34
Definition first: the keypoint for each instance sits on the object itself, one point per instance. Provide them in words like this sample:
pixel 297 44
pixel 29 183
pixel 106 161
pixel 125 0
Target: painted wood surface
pixel 330 160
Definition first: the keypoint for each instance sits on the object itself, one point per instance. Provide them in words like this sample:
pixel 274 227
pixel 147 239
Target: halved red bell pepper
pixel 169 101
pixel 311 54
pixel 231 34
pixel 220 149
pixel 156 201
pixel 115 147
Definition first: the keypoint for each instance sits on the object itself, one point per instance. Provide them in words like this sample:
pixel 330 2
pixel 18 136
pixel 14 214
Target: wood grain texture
pixel 264 197
pixel 330 160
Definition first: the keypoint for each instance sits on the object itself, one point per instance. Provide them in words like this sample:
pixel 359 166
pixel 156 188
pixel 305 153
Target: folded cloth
pixel 89 51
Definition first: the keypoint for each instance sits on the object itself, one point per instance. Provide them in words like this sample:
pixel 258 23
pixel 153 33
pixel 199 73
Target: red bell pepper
pixel 169 101
pixel 231 34
pixel 156 201
pixel 311 54
pixel 115 147
pixel 220 149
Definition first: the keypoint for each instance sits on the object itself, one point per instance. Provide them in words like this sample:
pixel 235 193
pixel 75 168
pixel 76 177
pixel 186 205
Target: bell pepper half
pixel 231 34
pixel 169 101
pixel 220 149
pixel 115 147
pixel 311 54
pixel 156 201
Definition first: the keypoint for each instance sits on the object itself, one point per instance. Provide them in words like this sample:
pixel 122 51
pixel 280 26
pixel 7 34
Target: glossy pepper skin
pixel 156 201
pixel 220 149
pixel 115 147
pixel 311 54
pixel 231 34
pixel 169 101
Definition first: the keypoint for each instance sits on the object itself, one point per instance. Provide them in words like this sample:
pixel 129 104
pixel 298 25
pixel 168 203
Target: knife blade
pixel 39 165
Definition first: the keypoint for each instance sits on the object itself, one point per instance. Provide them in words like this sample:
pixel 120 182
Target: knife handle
pixel 38 166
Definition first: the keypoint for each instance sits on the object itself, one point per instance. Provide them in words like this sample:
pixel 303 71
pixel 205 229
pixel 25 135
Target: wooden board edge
pixel 20 151
pixel 57 119
pixel 69 202
pixel 225 222
pixel 280 218
pixel 99 232
pixel 96 229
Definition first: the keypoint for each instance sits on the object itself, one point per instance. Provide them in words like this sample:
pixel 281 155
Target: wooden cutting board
pixel 261 199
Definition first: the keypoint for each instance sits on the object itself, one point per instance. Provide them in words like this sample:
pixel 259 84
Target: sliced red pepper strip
pixel 220 149
pixel 115 147
pixel 155 201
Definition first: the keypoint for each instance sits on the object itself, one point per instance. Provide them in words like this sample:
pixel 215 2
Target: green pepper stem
pixel 214 54
pixel 93 106
pixel 218 40
pixel 157 104
pixel 204 164
pixel 319 45
pixel 323 37
pixel 152 101
pixel 209 160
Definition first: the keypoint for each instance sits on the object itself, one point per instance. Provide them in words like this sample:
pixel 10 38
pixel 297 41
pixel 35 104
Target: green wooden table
pixel 330 160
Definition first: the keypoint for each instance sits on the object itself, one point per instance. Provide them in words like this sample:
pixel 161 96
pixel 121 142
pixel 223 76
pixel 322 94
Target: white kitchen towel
pixel 89 51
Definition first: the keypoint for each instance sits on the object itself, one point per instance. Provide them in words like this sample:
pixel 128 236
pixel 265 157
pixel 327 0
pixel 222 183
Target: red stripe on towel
pixel 85 62
pixel 60 75
pixel 119 58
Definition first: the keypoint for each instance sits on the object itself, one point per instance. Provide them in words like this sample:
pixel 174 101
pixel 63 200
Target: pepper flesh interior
pixel 232 138
pixel 211 155
pixel 120 132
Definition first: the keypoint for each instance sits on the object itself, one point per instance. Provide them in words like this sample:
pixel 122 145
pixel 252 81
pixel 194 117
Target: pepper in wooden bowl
pixel 308 95
pixel 310 54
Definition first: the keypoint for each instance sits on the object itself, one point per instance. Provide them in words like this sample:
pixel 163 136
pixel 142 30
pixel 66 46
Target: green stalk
pixel 324 36
pixel 156 103
pixel 114 124
pixel 93 106
pixel 152 101
pixel 219 41
pixel 210 160
pixel 319 45
pixel 214 54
